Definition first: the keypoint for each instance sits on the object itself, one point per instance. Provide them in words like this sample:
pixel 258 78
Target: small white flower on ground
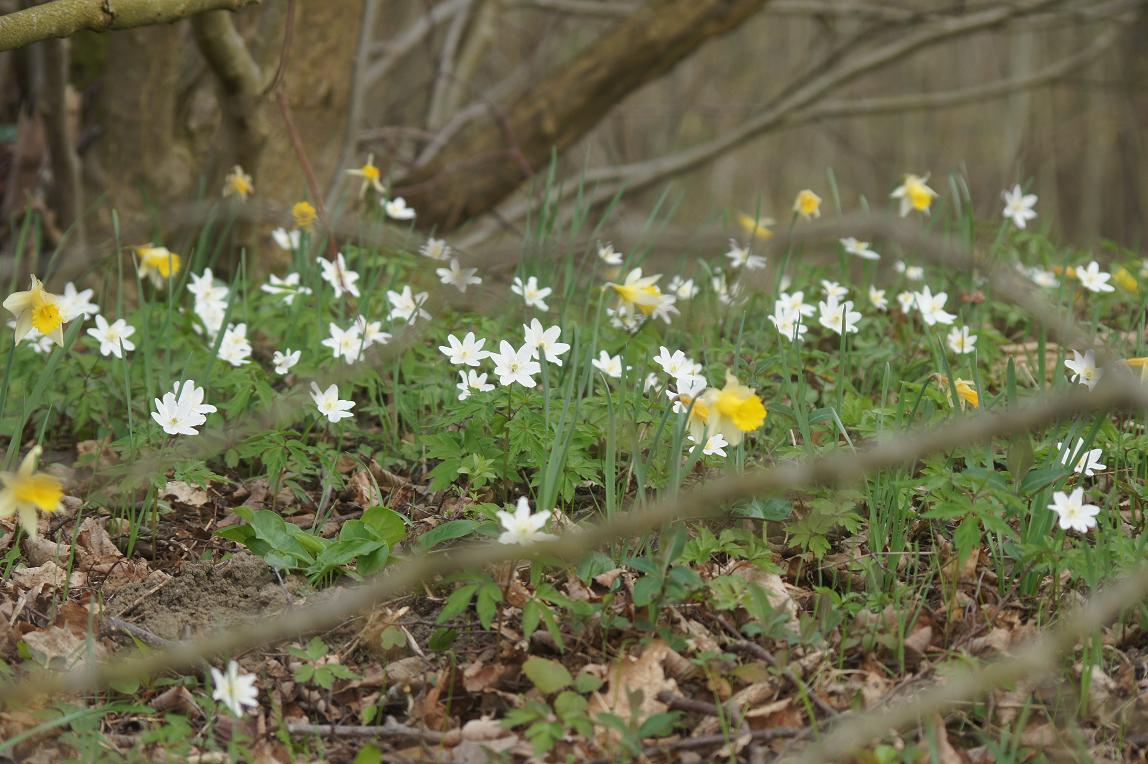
pixel 794 303
pixel 204 289
pixel 468 352
pixel 471 382
pixel 182 410
pixel 675 364
pixel 397 209
pixel 523 527
pixel 435 249
pixel 834 292
pixel 288 287
pixel 113 337
pixel 288 240
pixel 1087 462
pixel 73 304
pixel 545 340
pixel 339 276
pixel 1093 279
pixel 859 248
pixel 1018 206
pixel 907 301
pixel 285 360
pixel 651 382
pixel 515 365
pixel 1042 278
pixel 714 445
pixel 608 255
pixel 346 344
pixel 372 332
pixel 932 307
pixel 233 689
pixel 609 365
pixel 960 341
pixel 531 293
pixel 838 316
pixel 1074 514
pixel 407 306
pixel 914 273
pixel 878 299
pixel 788 322
pixel 683 289
pixel 329 403
pixel 234 347
pixel 689 387
pixel 458 277
pixel 740 257
pixel 1083 368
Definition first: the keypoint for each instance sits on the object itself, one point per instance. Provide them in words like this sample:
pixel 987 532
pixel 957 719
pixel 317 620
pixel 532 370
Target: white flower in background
pixel 932 307
pixel 651 382
pixel 683 289
pixel 1083 368
pixel 285 360
pixel 1042 278
pixel 204 289
pixel 793 303
pixel 523 527
pixel 329 403
pixel 472 382
pixel 371 332
pixel 674 364
pixel 608 255
pixel 515 365
pixel 531 293
pixel 435 249
pixel 458 277
pixel 1093 279
pixel 1073 513
pixel 726 292
pixel 182 410
pixel 834 292
pixel 211 316
pixel 407 306
pixel 714 445
pixel 468 352
pixel 397 209
pixel 1087 462
pixel 346 344
pixel 341 278
pixel 288 286
pixel 623 317
pixel 73 304
pixel 545 340
pixel 1018 206
pixel 914 273
pixel 960 341
pixel 789 323
pixel 233 689
pixel 609 365
pixel 689 388
pixel 234 347
pixel 859 248
pixel 907 301
pixel 740 257
pixel 877 298
pixel 914 194
pixel 113 337
pixel 835 316
pixel 288 240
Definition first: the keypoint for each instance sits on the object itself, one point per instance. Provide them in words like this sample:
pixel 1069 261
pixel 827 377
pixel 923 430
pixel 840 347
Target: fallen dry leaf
pixel 631 677
pixel 185 493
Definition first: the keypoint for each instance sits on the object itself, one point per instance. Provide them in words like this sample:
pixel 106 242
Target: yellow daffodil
pixel 304 215
pixel 36 309
pixel 914 194
pixel 639 291
pixel 807 204
pixel 1141 364
pixel 25 491
pixel 755 227
pixel 371 176
pixel 157 263
pixel 731 411
pixel 238 183
pixel 1125 280
pixel 965 391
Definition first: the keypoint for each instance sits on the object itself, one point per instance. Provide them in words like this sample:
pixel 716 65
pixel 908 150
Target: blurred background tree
pixel 737 103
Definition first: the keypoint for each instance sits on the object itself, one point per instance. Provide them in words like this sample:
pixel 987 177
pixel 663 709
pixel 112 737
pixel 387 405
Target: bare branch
pixel 239 76
pixel 63 18
pixel 393 51
pixel 359 87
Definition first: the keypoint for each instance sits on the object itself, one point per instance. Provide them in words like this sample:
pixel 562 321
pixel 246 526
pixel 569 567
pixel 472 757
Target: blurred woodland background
pixel 465 105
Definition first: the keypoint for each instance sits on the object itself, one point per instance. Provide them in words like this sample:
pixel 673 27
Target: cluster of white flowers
pixel 512 365
pixel 180 411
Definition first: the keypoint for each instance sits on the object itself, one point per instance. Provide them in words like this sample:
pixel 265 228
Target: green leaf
pixel 586 683
pixel 387 524
pixel 1020 456
pixel 967 537
pixel 646 590
pixel 457 602
pixel 448 531
pixel 442 639
pixel 547 675
pixel 487 603
pixel 570 704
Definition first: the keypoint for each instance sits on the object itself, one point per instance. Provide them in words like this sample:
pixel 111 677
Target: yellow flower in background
pixel 1125 280
pixel 640 291
pixel 756 227
pixel 238 183
pixel 1141 364
pixel 37 309
pixel 914 194
pixel 25 491
pixel 371 176
pixel 731 411
pixel 807 204
pixel 965 391
pixel 304 215
pixel 157 263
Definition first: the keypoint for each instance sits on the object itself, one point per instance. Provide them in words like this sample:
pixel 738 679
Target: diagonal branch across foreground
pixel 1117 391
